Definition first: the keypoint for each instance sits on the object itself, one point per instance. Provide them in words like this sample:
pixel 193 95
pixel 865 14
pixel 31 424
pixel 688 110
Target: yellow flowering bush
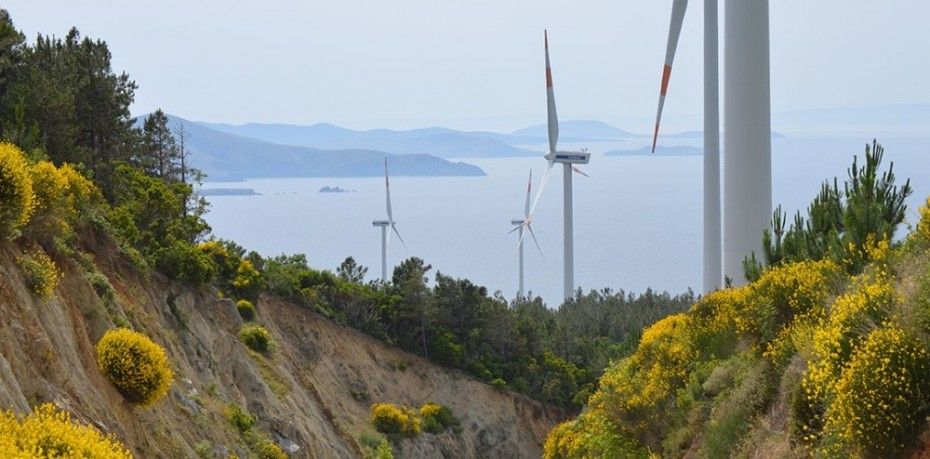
pixel 82 194
pixel 437 418
pixel 391 419
pixel 248 281
pixel 882 396
pixel 872 250
pixel 591 435
pixel 50 202
pixel 631 390
pixel 256 338
pixel 853 314
pixel 62 194
pixel 40 272
pixel 724 310
pixel 267 449
pixel 50 433
pixel 135 365
pixel 16 193
pixel 798 288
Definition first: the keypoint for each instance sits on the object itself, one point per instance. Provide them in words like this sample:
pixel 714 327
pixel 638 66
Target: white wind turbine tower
pixel 519 224
pixel 747 162
pixel 567 159
pixel 384 224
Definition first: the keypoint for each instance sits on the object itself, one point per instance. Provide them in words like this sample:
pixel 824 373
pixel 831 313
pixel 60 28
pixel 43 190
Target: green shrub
pixel 591 435
pixel 267 449
pixel 375 447
pixel 135 365
pixel 239 417
pixel 184 261
pixel 499 383
pixel 384 450
pixel 882 397
pixel 246 309
pixel 256 338
pixel 922 231
pixel 391 419
pixel 225 260
pixel 203 449
pixel 40 273
pixel 16 194
pixel 101 284
pixel 437 418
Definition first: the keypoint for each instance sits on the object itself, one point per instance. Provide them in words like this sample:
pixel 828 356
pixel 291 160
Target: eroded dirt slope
pixel 313 392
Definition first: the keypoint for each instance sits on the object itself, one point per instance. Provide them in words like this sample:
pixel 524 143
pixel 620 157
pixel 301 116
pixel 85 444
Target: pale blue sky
pixel 477 64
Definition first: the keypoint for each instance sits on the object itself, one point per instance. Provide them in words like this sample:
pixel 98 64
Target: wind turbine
pixel 568 159
pixel 747 130
pixel 520 223
pixel 384 224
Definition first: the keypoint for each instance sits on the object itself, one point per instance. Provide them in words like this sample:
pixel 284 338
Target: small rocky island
pixel 334 189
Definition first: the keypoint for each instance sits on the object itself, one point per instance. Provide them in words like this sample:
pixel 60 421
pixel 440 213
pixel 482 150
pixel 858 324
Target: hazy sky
pixel 477 64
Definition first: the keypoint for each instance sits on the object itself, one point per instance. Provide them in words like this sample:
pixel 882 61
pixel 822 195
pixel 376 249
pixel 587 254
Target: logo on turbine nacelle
pixel 571 157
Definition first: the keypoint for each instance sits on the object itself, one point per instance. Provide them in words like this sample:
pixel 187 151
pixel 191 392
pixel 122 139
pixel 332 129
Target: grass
pixel 270 375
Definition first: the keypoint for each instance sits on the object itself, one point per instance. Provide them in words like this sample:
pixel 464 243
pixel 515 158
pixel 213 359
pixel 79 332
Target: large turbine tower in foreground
pixel 747 133
pixel 747 139
pixel 568 159
pixel 385 224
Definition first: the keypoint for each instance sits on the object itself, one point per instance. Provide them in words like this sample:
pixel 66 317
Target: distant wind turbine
pixel 384 224
pixel 568 159
pixel 520 224
pixel 747 130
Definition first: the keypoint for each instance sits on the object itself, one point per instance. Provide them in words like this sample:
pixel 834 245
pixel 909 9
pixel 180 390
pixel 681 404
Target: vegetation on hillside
pixel 825 353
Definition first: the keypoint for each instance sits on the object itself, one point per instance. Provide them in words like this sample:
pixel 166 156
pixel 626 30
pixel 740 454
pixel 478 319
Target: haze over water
pixel 637 218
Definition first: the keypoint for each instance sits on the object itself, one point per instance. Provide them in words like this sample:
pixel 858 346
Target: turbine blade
pixel 553 119
pixel 542 187
pixel 579 171
pixel 529 188
pixel 678 16
pixel 398 235
pixel 387 192
pixel 536 241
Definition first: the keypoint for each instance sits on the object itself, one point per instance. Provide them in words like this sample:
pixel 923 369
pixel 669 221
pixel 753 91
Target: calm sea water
pixel 637 219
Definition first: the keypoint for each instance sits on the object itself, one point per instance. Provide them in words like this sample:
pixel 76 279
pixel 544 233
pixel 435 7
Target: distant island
pixel 334 189
pixel 677 150
pixel 227 192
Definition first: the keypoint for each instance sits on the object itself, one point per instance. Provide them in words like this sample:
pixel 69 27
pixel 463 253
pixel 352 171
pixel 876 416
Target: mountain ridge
pixel 229 157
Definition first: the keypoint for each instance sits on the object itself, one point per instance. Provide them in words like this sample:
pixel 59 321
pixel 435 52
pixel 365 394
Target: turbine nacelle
pixel 569 157
pixel 517 222
pixel 380 223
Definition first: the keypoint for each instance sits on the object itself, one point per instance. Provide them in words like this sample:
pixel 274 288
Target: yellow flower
pixel 48 432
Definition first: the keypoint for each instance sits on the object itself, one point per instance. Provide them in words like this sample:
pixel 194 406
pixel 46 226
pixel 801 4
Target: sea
pixel 637 218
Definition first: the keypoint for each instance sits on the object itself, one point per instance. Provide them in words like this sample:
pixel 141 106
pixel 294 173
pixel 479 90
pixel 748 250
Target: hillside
pixel 442 142
pixel 312 392
pixel 825 352
pixel 225 156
